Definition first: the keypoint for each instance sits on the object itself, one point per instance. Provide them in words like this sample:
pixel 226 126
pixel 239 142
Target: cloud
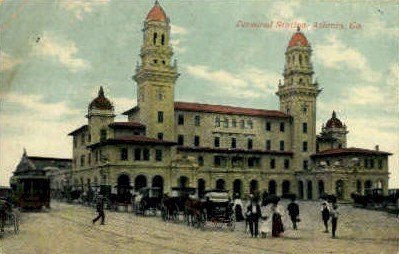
pixel 174 29
pixel 178 33
pixel 249 83
pixel 65 51
pixel 284 10
pixel 122 104
pixel 80 7
pixel 176 44
pixel 336 55
pixel 7 62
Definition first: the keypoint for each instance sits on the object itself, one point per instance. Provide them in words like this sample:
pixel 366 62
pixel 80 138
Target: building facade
pixel 166 143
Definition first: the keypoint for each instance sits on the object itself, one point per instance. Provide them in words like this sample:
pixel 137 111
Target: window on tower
pixel 268 144
pixel 180 140
pixel 180 120
pixel 196 140
pixel 217 142
pixel 160 116
pixel 305 127
pixel 233 143
pixel 282 127
pixel 103 135
pixel 154 40
pixel 217 121
pixel 250 144
pixel 163 39
pixel 268 126
pixel 197 121
pixel 282 145
pixel 300 59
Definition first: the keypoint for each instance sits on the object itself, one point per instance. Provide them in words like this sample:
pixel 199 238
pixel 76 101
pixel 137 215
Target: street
pixel 68 228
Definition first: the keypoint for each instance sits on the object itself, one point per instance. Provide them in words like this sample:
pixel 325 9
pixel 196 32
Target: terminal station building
pixel 167 143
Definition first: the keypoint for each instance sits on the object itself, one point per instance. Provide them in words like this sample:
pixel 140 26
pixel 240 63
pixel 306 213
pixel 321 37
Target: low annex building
pixel 166 143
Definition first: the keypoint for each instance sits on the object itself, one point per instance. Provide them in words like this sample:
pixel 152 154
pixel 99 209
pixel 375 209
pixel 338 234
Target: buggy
pixel 174 205
pixel 148 199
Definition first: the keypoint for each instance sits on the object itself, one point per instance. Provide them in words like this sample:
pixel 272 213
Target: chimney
pixel 377 147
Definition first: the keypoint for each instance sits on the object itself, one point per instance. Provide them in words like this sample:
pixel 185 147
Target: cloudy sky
pixel 55 55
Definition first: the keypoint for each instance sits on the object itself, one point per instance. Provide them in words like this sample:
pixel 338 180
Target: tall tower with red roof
pixel 298 96
pixel 156 76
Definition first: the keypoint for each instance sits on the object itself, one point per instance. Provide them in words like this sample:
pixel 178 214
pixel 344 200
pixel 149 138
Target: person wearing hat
pixel 100 210
pixel 293 210
pixel 334 219
pixel 325 215
pixel 253 215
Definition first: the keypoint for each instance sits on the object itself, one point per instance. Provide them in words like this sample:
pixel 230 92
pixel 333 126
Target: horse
pixel 195 211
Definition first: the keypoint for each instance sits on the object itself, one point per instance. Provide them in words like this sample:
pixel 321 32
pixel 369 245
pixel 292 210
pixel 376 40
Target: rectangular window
pixel 305 127
pixel 200 161
pixel 82 160
pixel 217 121
pixel 268 126
pixel 305 165
pixel 217 142
pixel 273 163
pixel 250 124
pixel 251 163
pixel 242 124
pixel 233 143
pixel 158 155
pixel 160 116
pixel 234 123
pixel 268 145
pixel 197 121
pixel 282 127
pixel 180 120
pixel 146 154
pixel 282 145
pixel 250 144
pixel 137 154
pixel 196 140
pixel 380 164
pixel 160 136
pixel 226 123
pixel 305 146
pixel 103 135
pixel 123 154
pixel 286 163
pixel 217 161
pixel 180 140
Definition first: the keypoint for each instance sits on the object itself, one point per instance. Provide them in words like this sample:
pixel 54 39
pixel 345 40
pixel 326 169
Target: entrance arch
pixel 123 188
pixel 183 182
pixel 339 189
pixel 368 186
pixel 237 188
pixel 320 187
pixel 286 188
pixel 310 190
pixel 253 186
pixel 140 182
pixel 157 181
pixel 272 187
pixel 220 184
pixel 201 187
pixel 300 190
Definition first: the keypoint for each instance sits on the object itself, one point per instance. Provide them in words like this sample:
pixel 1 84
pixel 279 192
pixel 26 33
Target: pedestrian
pixel 277 222
pixel 325 215
pixel 253 216
pixel 100 210
pixel 334 219
pixel 293 211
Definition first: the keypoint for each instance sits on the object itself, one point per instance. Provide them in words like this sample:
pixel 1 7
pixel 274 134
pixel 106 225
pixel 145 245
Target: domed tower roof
pixel 156 13
pixel 25 164
pixel 101 102
pixel 334 122
pixel 298 39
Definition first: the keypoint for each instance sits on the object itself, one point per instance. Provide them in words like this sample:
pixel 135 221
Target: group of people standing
pixel 271 220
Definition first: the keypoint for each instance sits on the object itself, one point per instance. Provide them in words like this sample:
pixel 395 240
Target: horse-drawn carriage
pixel 173 205
pixel 216 210
pixel 148 199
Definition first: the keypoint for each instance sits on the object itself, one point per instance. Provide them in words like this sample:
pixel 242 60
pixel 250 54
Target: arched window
pixel 253 186
pixel 272 187
pixel 183 182
pixel 237 188
pixel 300 59
pixel 154 40
pixel 140 182
pixel 286 188
pixel 163 39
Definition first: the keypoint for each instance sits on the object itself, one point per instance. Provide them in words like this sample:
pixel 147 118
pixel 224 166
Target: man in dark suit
pixel 100 210
pixel 293 210
pixel 253 216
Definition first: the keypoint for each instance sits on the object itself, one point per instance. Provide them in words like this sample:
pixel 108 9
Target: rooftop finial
pixel 156 2
pixel 24 153
pixel 334 115
pixel 298 29
pixel 101 92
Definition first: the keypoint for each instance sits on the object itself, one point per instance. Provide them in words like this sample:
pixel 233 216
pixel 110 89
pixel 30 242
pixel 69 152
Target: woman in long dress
pixel 277 223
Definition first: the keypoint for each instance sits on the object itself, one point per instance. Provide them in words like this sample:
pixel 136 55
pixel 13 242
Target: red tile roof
pixel 349 151
pixel 298 39
pixel 134 140
pixel 127 125
pixel 230 110
pixel 156 13
pixel 226 150
pixel 81 128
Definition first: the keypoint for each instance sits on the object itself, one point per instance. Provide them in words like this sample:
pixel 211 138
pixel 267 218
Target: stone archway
pixel 300 190
pixel 140 182
pixel 272 187
pixel 253 186
pixel 201 187
pixel 321 188
pixel 237 188
pixel 157 182
pixel 310 190
pixel 123 188
pixel 286 188
pixel 220 184
pixel 183 182
pixel 340 189
pixel 368 187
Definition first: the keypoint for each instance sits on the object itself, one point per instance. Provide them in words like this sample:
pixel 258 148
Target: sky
pixel 54 55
